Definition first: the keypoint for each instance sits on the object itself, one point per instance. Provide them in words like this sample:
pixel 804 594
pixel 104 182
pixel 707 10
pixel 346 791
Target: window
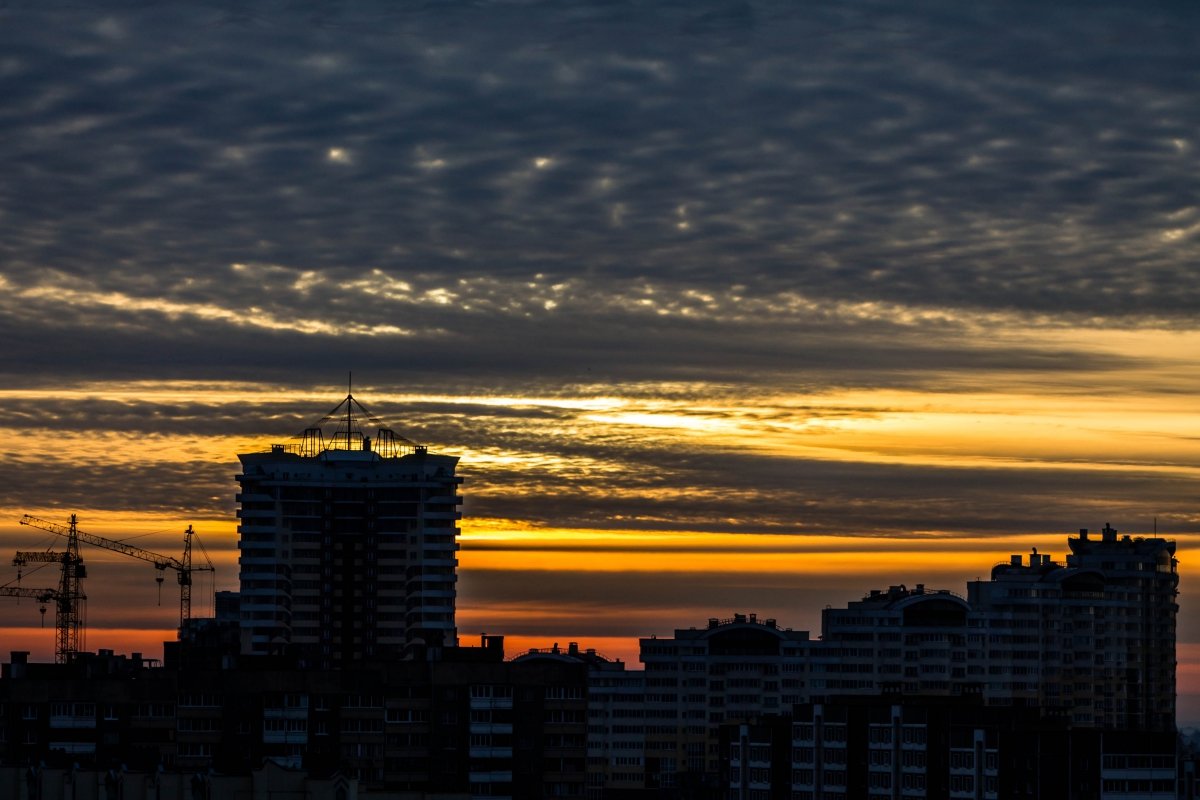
pixel 962 783
pixel 879 780
pixel 835 732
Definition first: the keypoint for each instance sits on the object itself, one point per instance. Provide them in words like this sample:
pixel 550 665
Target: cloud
pixel 574 192
pixel 704 460
pixel 985 158
pixel 714 216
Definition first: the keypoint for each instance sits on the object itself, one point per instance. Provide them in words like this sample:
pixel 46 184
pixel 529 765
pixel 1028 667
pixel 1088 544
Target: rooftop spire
pixel 349 433
pixel 350 407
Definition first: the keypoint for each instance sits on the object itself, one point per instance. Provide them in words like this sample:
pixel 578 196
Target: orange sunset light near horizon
pixel 570 533
pixel 723 307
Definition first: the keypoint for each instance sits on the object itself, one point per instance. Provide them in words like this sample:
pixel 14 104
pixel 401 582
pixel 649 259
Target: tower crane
pixel 70 602
pixel 43 596
pixel 183 566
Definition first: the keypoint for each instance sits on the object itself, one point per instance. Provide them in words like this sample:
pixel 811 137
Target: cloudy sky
pixel 725 306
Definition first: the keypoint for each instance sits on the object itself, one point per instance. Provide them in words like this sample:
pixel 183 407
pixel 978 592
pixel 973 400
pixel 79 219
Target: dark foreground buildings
pixel 467 724
pixel 336 673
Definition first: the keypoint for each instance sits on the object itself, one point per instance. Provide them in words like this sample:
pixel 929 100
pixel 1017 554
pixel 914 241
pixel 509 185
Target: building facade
pixel 468 724
pixel 729 671
pixel 616 720
pixel 347 544
pixel 1087 643
pixel 1091 639
pixel 905 746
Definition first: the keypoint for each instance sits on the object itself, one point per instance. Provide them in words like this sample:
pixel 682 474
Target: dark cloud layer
pixel 413 171
pixel 700 202
pixel 184 487
pixel 742 493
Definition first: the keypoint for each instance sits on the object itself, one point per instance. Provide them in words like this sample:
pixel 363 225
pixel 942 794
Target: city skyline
pixel 724 307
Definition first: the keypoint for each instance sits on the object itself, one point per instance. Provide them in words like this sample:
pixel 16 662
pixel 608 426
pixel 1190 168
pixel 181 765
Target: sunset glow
pixel 712 327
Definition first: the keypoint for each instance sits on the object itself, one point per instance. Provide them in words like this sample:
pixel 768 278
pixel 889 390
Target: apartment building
pixel 1088 641
pixel 1092 639
pixel 347 544
pixel 731 670
pixel 904 747
pixel 616 720
pixel 468 723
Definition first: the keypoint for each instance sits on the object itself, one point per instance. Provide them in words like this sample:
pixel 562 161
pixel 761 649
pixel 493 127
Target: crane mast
pixel 183 567
pixel 184 573
pixel 70 601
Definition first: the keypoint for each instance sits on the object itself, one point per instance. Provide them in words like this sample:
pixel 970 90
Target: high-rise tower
pixel 347 544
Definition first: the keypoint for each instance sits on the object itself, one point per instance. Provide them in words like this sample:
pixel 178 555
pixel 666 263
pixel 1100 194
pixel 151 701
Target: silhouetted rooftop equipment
pixel 347 435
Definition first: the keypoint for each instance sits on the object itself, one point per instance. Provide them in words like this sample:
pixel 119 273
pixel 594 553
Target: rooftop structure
pixel 1093 638
pixel 347 543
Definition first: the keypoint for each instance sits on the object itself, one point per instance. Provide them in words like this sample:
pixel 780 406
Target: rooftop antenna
pixel 389 443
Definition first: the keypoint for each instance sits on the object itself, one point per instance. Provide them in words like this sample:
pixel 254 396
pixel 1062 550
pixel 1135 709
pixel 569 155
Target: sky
pixel 725 306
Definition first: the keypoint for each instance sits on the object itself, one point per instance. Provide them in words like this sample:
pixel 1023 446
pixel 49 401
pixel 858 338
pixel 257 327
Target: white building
pixel 347 544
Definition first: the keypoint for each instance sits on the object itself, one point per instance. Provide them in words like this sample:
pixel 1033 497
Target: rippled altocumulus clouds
pixel 587 198
pixel 279 178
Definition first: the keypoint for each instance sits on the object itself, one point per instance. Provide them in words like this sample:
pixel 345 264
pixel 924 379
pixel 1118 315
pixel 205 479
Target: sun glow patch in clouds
pixel 687 422
pixel 959 430
pixel 531 462
pixel 237 393
pixel 735 304
pixel 1177 234
pixel 384 285
pixel 307 281
pixel 427 161
pixel 1093 432
pixel 252 317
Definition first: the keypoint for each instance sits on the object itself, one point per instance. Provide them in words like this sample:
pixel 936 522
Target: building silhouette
pixel 464 724
pixel 335 672
pixel 347 544
pixel 616 720
pixel 1046 648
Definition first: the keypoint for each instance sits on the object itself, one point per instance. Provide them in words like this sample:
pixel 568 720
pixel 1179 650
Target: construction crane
pixel 43 596
pixel 70 601
pixel 183 566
